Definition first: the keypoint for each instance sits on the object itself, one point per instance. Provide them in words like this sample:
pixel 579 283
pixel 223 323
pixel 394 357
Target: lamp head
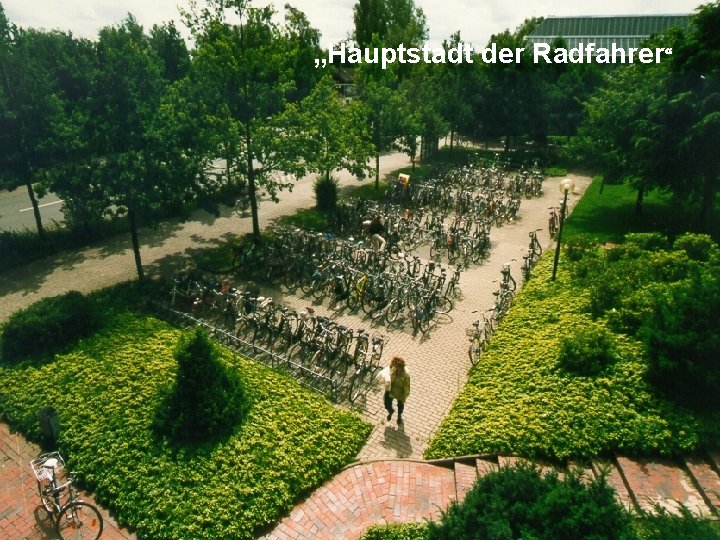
pixel 566 186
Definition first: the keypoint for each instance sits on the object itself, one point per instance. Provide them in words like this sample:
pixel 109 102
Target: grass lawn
pixel 107 390
pixel 519 401
pixel 609 215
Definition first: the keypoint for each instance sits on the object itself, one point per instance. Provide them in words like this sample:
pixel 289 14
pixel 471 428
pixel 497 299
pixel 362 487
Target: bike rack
pixel 305 376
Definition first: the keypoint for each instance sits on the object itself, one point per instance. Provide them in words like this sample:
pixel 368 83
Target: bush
pixel 651 241
pixel 579 247
pixel 207 402
pixel 698 247
pixel 556 171
pixel 683 340
pixel 326 190
pixel 519 503
pixel 395 531
pixel 48 326
pixel 587 352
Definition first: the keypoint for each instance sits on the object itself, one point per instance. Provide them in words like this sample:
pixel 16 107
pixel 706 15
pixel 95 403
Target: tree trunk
pixel 452 138
pixel 135 243
pixel 36 210
pixel 602 184
pixel 251 186
pixel 377 170
pixel 639 200
pixel 706 205
pixel 507 143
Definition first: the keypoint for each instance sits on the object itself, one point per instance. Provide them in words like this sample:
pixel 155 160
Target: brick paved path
pixel 402 491
pixel 21 515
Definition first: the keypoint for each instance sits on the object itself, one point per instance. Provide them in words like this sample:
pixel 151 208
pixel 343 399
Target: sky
pixel 477 20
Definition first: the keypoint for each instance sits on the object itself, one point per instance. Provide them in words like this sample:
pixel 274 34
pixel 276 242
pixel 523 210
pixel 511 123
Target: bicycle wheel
pixel 79 521
pixel 393 311
pixel 444 305
pixel 353 299
pixel 46 497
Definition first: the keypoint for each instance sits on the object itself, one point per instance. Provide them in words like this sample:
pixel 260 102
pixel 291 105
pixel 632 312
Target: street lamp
pixel 566 186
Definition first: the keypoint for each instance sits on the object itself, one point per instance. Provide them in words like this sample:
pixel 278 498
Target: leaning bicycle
pixel 74 518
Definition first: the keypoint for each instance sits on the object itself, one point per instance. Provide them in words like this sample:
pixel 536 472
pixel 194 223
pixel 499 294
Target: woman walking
pixel 397 386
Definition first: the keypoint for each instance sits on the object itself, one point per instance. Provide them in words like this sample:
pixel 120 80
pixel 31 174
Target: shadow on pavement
pixel 396 439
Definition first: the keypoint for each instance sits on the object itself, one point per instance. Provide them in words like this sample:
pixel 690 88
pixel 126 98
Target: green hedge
pixel 518 400
pixel 107 391
pixel 48 326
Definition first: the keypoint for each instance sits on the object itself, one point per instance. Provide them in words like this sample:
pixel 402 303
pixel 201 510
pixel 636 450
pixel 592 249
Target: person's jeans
pixel 388 399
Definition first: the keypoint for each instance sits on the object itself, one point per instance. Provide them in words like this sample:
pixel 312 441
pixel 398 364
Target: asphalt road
pixel 16 210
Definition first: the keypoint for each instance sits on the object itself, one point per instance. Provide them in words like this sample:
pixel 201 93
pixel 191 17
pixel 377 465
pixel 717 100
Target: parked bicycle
pixel 74 519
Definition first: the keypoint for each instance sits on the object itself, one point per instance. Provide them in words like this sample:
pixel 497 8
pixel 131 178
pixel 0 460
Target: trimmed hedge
pixel 107 391
pixel 518 401
pixel 48 326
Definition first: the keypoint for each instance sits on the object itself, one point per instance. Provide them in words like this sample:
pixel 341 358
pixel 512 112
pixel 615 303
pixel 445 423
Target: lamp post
pixel 566 186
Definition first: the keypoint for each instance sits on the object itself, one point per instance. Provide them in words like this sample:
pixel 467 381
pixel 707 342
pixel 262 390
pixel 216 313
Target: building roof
pixel 625 31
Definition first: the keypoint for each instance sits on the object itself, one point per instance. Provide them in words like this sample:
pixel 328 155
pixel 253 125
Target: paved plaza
pixel 390 483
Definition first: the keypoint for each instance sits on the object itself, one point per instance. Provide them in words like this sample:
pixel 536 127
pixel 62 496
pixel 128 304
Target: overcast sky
pixel 476 19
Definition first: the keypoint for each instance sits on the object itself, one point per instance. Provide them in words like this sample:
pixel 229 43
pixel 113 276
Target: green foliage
pixel 699 247
pixel 107 390
pixel 368 191
pixel 326 189
pixel 402 531
pixel 580 247
pixel 518 402
pixel 670 298
pixel 609 215
pixel 519 503
pixel 207 401
pixel 683 340
pixel 49 326
pixel 669 527
pixel 555 171
pixel 309 219
pixel 588 351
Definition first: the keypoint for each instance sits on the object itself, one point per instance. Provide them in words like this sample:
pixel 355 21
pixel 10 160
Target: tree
pixel 170 47
pixel 621 122
pixel 242 67
pixel 325 133
pixel 140 161
pixel 207 400
pixel 31 113
pixel 392 21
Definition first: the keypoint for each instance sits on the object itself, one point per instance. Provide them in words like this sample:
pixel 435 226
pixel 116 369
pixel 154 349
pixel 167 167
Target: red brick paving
pixel 21 516
pixel 615 480
pixel 706 478
pixel 401 491
pixel 662 483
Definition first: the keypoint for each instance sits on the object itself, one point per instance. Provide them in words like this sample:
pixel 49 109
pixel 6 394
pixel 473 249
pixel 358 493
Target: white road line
pixel 42 205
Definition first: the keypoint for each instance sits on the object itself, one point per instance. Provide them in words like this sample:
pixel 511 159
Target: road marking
pixel 42 205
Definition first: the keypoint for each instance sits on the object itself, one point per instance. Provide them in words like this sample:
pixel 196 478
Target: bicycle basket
pixel 470 332
pixel 43 473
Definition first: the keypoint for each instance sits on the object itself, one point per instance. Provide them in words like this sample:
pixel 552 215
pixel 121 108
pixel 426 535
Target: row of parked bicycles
pixel 482 329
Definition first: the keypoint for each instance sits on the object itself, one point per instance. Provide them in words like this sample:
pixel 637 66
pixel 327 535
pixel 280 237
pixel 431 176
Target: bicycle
pixel 478 340
pixel 74 519
pixel 508 282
